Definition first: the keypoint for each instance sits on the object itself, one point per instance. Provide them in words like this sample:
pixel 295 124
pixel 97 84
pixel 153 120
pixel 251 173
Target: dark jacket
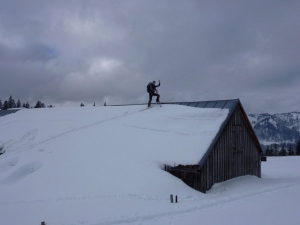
pixel 153 87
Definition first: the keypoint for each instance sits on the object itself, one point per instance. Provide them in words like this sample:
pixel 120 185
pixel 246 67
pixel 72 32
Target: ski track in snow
pixel 206 203
pixel 209 204
pixel 168 131
pixel 24 140
pixel 31 135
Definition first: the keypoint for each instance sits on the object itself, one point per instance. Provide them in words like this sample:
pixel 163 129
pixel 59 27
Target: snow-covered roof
pixel 222 104
pixel 202 124
pixel 228 105
pixel 182 134
pixel 107 141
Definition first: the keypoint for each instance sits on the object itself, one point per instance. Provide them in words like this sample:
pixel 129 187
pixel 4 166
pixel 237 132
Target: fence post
pixel 43 223
pixel 171 196
pixel 176 199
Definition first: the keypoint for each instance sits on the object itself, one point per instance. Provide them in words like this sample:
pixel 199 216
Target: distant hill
pixel 276 128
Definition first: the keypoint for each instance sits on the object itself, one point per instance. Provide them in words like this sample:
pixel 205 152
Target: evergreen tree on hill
pixel 269 151
pixel 19 103
pixel 11 103
pixel 298 148
pixel 275 150
pixel 27 106
pixel 291 151
pixel 1 104
pixel 5 105
pixel 282 151
pixel 39 104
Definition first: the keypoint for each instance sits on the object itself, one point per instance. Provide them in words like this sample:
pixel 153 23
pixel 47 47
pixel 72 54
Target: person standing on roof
pixel 151 89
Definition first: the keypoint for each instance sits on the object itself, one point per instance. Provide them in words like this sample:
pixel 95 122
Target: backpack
pixel 148 87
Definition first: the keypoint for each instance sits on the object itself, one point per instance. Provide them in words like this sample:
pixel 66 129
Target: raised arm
pixel 158 84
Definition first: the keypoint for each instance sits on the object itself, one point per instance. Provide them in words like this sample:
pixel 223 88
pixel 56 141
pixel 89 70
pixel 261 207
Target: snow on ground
pixel 103 165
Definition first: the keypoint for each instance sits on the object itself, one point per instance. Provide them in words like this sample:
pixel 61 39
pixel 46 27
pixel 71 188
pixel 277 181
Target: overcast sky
pixel 69 52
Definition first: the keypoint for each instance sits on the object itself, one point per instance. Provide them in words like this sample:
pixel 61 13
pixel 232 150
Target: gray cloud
pixel 66 53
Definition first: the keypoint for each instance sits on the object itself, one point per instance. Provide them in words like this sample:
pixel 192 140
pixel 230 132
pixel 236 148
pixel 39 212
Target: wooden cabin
pixel 235 151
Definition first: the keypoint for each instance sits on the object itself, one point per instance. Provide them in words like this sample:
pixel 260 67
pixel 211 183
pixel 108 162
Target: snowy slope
pixel 103 165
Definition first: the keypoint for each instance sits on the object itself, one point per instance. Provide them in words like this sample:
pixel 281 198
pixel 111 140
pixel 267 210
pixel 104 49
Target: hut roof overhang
pixel 231 105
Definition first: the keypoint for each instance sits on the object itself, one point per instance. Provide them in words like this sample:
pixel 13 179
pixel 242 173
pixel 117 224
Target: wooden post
pixel 176 199
pixel 171 196
pixel 43 223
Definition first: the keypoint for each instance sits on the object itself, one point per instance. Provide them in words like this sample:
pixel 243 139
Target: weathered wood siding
pixel 191 175
pixel 235 153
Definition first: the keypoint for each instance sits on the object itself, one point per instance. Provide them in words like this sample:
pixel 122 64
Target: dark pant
pixel 151 94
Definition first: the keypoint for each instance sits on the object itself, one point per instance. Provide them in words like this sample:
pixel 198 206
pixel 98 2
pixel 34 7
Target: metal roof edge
pixel 234 99
pixel 177 103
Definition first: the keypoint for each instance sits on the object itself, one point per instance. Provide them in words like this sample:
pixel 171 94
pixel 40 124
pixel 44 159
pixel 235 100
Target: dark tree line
pixel 11 104
pixel 283 150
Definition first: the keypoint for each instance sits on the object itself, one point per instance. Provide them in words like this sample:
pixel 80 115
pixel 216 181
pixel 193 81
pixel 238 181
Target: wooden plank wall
pixel 191 178
pixel 234 154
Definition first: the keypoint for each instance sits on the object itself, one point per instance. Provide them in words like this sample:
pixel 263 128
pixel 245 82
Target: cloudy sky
pixel 69 52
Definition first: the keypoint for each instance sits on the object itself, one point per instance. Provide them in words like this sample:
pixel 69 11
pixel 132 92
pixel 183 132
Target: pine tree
pixel 27 106
pixel 19 103
pixel 298 148
pixel 5 105
pixel 291 150
pixel 39 104
pixel 275 150
pixel 1 105
pixel 269 151
pixel 11 103
pixel 282 151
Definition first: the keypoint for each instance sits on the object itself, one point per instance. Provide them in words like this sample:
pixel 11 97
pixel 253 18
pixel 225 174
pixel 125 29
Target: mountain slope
pixel 276 128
